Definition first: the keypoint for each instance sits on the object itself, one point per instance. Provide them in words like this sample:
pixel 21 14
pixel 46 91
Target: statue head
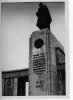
pixel 44 18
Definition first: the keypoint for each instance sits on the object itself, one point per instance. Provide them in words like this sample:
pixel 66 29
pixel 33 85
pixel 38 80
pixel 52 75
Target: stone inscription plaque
pixel 39 84
pixel 39 67
pixel 39 64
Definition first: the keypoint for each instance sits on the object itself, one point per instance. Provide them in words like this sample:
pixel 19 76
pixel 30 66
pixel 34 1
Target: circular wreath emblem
pixel 9 82
pixel 38 43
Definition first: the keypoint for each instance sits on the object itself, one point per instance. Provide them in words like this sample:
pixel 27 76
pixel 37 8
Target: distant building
pixel 14 82
pixel 46 73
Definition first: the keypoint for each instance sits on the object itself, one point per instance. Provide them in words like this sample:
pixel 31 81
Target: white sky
pixel 18 21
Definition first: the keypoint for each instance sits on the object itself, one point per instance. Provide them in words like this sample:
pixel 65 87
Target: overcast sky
pixel 18 21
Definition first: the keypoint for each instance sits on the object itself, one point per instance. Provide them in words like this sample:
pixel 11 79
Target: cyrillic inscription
pixel 39 64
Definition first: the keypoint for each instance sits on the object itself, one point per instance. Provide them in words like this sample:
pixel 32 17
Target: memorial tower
pixel 46 59
pixel 46 64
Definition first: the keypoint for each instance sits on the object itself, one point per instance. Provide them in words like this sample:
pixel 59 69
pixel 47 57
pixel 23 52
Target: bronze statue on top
pixel 44 18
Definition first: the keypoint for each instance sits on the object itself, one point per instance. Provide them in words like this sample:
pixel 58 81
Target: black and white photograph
pixel 34 44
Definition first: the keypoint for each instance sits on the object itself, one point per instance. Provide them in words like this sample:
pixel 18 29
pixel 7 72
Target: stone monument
pixel 43 68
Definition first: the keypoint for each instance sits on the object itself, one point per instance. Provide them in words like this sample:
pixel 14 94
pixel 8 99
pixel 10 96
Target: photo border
pixel 66 53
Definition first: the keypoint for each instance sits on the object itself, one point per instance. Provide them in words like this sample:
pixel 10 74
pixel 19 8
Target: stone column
pixel 42 63
pixel 15 86
pixel 39 81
